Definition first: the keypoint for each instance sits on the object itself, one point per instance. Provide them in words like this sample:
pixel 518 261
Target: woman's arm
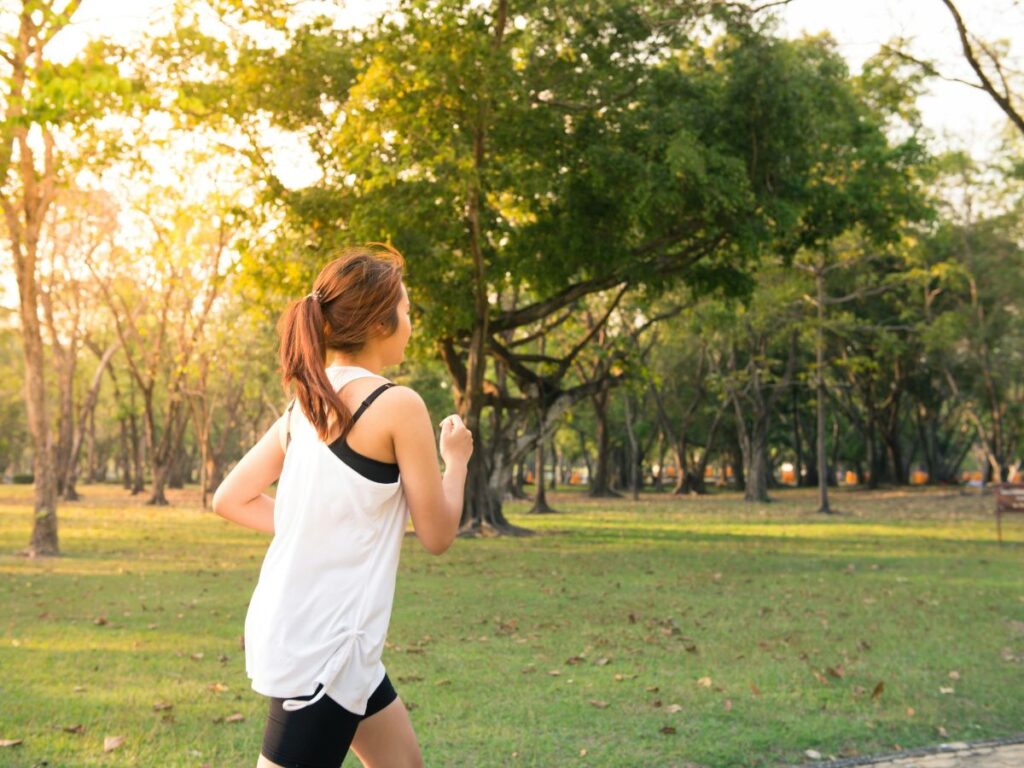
pixel 240 497
pixel 435 502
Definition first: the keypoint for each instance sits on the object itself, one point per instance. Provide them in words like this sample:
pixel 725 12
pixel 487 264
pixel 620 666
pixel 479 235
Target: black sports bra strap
pixel 288 426
pixel 366 404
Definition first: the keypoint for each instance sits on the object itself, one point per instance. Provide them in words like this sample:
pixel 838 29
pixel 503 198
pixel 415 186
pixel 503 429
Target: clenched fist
pixel 456 441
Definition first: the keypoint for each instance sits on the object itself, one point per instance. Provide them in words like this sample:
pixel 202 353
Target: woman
pixel 356 459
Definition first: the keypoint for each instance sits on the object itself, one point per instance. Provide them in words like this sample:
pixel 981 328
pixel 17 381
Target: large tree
pixel 550 151
pixel 48 114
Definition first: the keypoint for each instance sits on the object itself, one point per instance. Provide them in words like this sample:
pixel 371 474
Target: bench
pixel 1009 500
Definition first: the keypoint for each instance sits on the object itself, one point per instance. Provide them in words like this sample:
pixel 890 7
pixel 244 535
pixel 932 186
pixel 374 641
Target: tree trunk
pixel 87 415
pixel 138 457
pixel 586 457
pixel 600 482
pixel 657 482
pixel 91 459
pixel 634 448
pixel 66 428
pixel 540 499
pixel 44 539
pixel 819 384
pixel 798 447
pixel 515 486
pixel 553 452
pixel 756 488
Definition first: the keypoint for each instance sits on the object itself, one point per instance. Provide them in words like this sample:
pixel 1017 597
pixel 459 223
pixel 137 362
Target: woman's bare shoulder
pixel 404 401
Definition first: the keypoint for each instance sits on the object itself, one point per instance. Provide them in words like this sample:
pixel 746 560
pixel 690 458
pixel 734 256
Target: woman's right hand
pixel 456 441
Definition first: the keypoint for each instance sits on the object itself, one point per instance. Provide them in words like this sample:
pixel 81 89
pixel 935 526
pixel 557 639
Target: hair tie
pixel 314 294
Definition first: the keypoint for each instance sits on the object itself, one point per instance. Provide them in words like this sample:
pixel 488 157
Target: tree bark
pixel 24 213
pixel 600 485
pixel 819 384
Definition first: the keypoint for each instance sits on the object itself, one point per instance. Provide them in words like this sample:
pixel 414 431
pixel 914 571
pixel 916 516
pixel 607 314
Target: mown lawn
pixel 665 632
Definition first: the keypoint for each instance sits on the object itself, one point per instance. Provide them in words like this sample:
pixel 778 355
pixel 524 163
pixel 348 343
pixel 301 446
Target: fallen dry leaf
pixel 704 681
pixel 836 671
pixel 217 687
pixel 602 661
pixel 813 754
pixel 668 729
pixel 110 743
pixel 673 708
pixel 728 705
pixel 599 704
pixel 162 705
pixel 10 742
pixel 237 717
pixel 100 620
pixel 820 677
pixel 879 689
pixel 554 672
pixel 755 690
pixel 954 675
pixel 944 689
pixel 910 711
pixel 74 728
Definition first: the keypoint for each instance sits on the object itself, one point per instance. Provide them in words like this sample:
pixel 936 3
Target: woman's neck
pixel 369 362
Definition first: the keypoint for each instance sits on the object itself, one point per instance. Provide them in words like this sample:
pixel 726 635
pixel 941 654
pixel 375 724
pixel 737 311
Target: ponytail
pixel 352 296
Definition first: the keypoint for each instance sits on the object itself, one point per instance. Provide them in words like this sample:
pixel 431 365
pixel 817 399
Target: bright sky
pixel 957 114
pixel 967 116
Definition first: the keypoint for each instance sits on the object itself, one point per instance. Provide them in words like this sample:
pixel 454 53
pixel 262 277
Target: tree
pixel 79 224
pixel 551 152
pixel 161 326
pixel 975 331
pixel 991 71
pixel 42 102
pixel 757 363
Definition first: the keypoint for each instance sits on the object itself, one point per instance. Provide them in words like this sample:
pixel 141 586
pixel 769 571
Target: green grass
pixel 633 603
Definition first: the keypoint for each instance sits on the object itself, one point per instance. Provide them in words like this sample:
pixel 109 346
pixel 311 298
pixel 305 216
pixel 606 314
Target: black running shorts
pixel 317 736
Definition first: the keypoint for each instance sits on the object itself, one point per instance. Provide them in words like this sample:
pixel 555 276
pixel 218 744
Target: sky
pixel 957 115
pixel 955 112
pixel 965 115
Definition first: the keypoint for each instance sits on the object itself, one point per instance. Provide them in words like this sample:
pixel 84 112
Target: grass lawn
pixel 664 632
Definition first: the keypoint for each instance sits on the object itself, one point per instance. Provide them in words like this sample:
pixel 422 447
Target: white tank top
pixel 321 607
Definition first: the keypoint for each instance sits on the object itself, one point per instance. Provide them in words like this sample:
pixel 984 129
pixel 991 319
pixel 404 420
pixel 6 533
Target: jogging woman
pixel 353 462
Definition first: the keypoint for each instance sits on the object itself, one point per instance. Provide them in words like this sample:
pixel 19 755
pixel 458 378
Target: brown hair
pixel 351 295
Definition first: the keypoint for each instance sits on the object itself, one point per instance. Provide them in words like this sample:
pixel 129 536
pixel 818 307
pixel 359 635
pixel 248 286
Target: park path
pixel 999 753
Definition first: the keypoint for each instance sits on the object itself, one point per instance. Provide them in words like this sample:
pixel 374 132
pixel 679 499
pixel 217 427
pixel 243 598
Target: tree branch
pixel 972 59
